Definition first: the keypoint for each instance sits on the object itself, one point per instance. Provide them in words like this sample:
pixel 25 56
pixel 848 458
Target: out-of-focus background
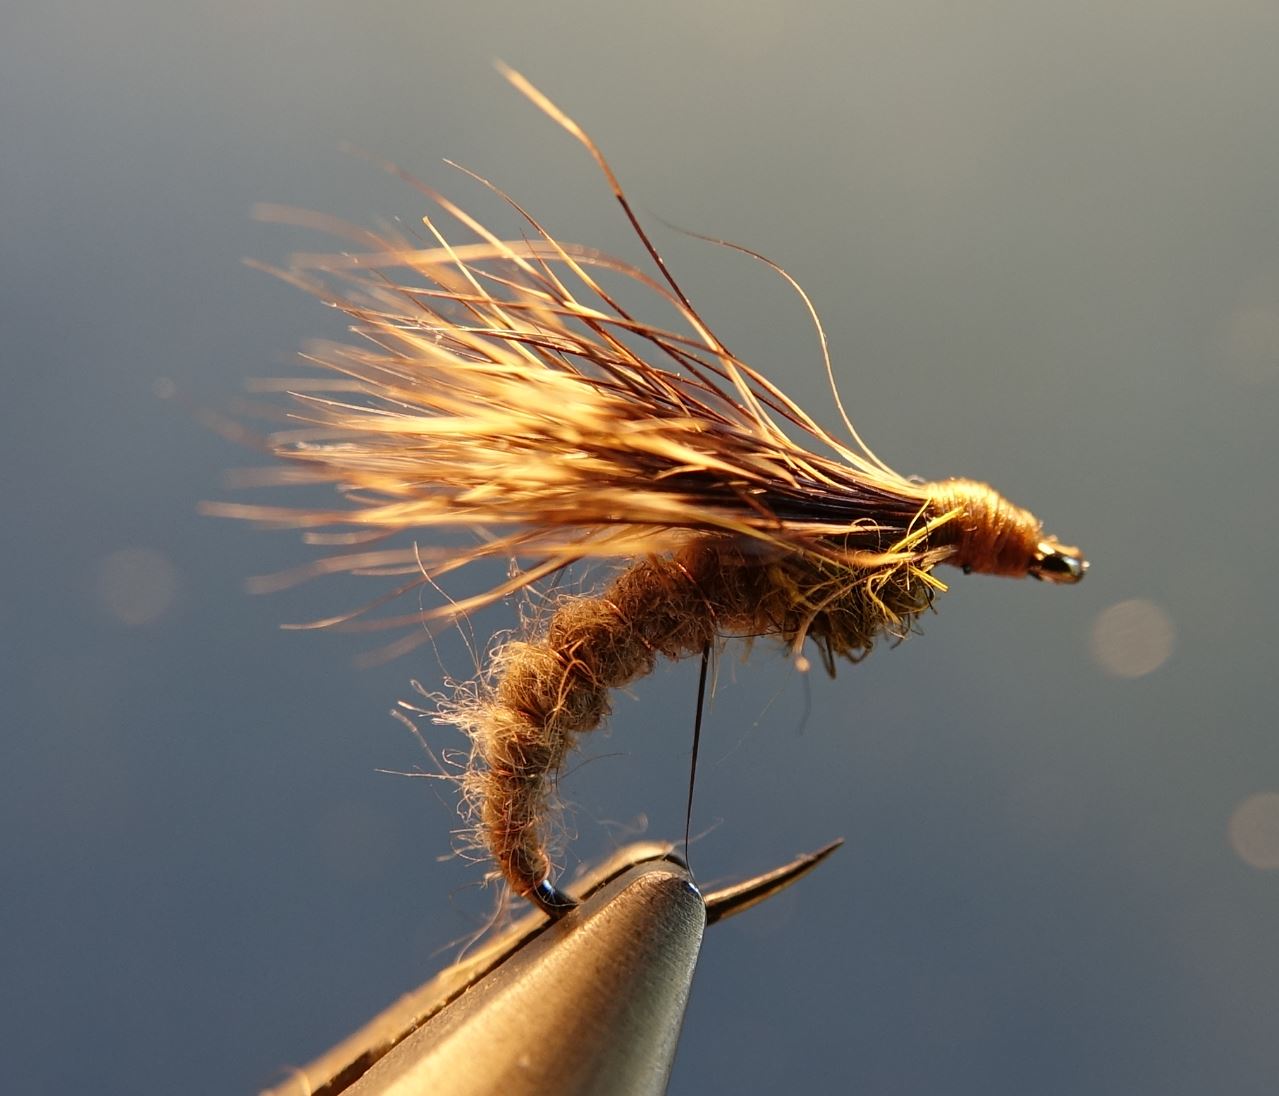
pixel 1045 243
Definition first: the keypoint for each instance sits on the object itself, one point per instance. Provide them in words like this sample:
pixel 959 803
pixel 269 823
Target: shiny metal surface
pixel 590 1003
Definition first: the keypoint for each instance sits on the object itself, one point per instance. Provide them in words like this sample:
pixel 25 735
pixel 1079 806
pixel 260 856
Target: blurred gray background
pixel 1045 242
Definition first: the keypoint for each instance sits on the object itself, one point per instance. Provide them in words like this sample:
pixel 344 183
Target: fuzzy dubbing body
pixel 546 690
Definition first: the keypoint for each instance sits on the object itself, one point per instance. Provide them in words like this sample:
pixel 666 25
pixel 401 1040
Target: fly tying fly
pixel 499 386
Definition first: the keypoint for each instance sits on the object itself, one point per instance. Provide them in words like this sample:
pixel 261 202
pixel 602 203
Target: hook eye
pixel 1057 563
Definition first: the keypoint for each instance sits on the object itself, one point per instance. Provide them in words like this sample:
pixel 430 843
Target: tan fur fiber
pixel 549 689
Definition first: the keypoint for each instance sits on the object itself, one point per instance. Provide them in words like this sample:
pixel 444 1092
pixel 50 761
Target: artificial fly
pixel 498 387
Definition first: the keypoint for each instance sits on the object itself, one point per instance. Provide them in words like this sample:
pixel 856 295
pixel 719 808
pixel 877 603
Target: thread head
pixel 987 534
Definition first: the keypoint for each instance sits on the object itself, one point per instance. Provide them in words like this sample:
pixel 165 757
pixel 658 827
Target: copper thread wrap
pixel 989 534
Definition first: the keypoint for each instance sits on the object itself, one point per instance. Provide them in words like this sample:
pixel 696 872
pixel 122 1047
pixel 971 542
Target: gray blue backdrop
pixel 1045 243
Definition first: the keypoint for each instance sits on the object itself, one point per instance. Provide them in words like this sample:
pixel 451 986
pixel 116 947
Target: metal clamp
pixel 592 1002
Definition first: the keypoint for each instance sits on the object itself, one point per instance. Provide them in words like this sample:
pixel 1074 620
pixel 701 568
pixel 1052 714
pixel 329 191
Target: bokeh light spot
pixel 137 586
pixel 1251 343
pixel 1254 830
pixel 1132 638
